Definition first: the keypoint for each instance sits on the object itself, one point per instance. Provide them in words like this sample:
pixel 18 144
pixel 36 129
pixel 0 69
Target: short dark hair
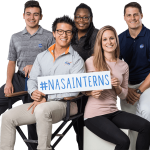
pixel 84 6
pixel 133 4
pixel 32 3
pixel 64 19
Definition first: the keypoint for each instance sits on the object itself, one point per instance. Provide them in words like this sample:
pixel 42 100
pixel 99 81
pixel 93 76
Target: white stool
pixel 93 142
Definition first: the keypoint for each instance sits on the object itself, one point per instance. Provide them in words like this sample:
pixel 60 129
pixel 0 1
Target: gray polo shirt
pixel 25 47
pixel 69 62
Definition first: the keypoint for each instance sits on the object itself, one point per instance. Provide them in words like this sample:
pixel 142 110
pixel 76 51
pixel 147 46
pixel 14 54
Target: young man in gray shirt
pixel 59 59
pixel 23 49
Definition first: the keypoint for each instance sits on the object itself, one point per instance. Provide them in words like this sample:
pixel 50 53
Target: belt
pixel 134 82
pixel 21 74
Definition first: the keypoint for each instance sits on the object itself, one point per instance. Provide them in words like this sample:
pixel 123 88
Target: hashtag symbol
pixel 43 85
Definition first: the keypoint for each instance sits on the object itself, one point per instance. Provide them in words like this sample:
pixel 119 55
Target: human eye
pixel 60 31
pixel 28 14
pixel 104 39
pixel 69 32
pixel 112 38
pixel 77 17
pixel 36 14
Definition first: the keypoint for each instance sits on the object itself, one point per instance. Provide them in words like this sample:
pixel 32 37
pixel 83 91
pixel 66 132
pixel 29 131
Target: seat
pixel 67 118
pixel 93 142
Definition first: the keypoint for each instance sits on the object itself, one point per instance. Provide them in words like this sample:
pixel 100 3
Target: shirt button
pixel 134 41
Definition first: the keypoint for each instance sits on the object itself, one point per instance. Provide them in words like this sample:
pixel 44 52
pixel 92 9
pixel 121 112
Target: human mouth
pixel 133 22
pixel 81 25
pixel 63 39
pixel 109 46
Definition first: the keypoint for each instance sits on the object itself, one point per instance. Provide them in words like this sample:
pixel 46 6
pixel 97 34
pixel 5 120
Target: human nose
pixel 32 16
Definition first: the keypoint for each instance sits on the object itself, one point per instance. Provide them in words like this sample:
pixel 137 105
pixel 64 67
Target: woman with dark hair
pixel 102 117
pixel 83 42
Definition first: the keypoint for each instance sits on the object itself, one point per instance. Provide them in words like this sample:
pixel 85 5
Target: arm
pixel 12 57
pixel 10 72
pixel 122 90
pixel 32 82
pixel 146 84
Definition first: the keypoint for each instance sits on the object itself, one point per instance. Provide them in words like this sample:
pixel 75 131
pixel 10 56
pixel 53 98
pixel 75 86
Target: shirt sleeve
pixel 12 55
pixel 124 84
pixel 32 81
pixel 50 41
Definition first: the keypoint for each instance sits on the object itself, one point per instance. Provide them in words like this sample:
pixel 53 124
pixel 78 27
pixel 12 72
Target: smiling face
pixel 64 39
pixel 82 24
pixel 32 17
pixel 133 18
pixel 109 43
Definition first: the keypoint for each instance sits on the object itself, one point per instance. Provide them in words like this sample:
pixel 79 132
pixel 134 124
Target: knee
pixel 145 127
pixel 124 142
pixel 7 118
pixel 40 112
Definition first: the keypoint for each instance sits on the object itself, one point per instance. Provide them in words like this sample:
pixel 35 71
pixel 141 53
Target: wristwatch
pixel 138 91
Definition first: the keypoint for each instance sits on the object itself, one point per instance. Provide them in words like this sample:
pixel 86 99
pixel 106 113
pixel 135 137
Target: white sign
pixel 74 82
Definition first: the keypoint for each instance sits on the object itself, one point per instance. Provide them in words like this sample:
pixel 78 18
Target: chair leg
pixel 23 137
pixel 67 129
pixel 56 132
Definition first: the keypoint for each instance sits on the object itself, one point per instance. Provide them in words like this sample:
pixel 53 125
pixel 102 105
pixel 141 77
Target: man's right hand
pixel 8 89
pixel 37 95
pixel 132 96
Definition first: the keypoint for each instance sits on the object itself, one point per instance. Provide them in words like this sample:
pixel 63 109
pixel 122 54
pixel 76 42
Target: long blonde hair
pixel 99 58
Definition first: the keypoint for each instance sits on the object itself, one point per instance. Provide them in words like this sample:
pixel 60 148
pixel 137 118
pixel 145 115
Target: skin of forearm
pixel 118 90
pixel 10 71
pixel 146 84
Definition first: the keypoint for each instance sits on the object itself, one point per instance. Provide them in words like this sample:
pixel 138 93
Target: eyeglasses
pixel 60 32
pixel 83 18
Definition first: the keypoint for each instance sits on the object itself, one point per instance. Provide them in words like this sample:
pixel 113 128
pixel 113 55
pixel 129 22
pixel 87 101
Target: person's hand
pixel 132 96
pixel 27 70
pixel 35 103
pixel 115 83
pixel 8 89
pixel 96 93
pixel 37 95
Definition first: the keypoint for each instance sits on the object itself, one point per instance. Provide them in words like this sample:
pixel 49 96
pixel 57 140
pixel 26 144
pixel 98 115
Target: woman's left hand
pixel 115 83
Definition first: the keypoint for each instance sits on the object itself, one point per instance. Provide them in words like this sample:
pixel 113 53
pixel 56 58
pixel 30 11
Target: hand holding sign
pixel 37 95
pixel 96 93
pixel 115 82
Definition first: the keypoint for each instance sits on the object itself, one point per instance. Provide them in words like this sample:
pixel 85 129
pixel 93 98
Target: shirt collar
pixel 69 50
pixel 142 33
pixel 39 31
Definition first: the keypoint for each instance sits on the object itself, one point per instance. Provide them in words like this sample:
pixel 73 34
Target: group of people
pixel 39 52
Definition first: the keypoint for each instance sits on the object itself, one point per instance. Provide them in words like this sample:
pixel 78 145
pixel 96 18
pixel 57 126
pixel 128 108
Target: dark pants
pixel 18 82
pixel 107 127
pixel 78 126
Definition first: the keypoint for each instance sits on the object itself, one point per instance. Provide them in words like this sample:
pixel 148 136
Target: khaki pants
pixel 44 116
pixel 140 108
